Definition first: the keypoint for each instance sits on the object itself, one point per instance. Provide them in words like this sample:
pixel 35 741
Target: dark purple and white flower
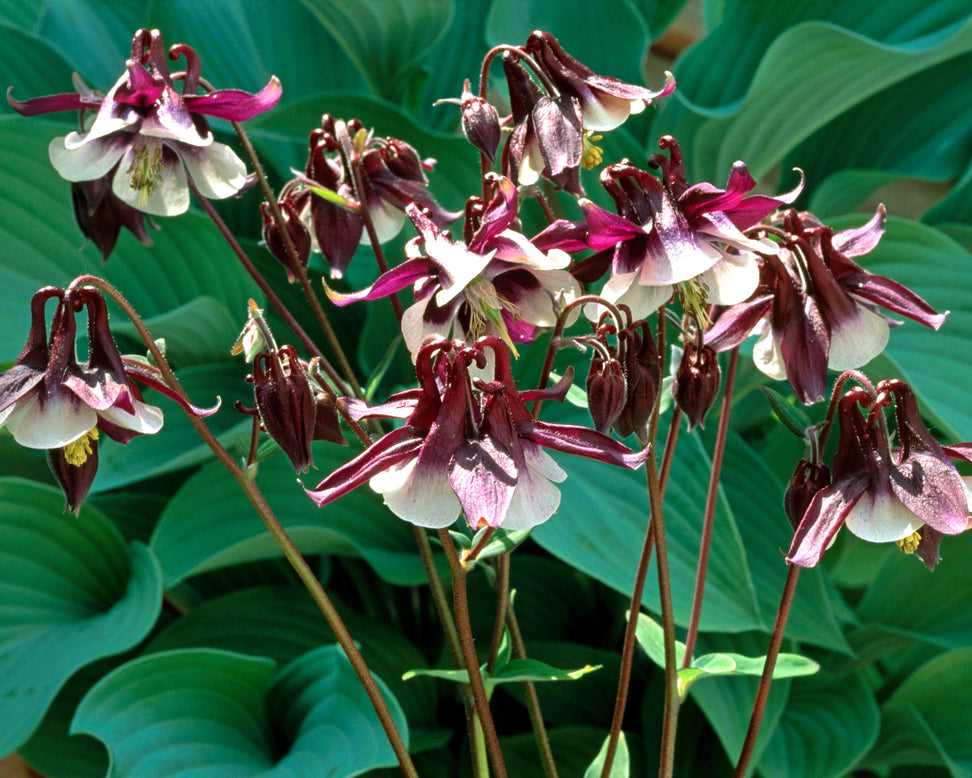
pixel 150 135
pixel 879 493
pixel 469 446
pixel 669 236
pixel 498 283
pixel 815 308
pixel 50 401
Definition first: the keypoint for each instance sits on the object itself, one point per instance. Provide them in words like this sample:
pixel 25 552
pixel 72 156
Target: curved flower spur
pixel 146 136
pixel 469 446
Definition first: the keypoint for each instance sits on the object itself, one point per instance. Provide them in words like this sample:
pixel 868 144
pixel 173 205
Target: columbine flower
pixel 815 306
pixel 879 494
pixel 605 102
pixel 101 214
pixel 670 235
pixel 49 401
pixel 469 446
pixel 498 284
pixel 150 135
pixel 349 170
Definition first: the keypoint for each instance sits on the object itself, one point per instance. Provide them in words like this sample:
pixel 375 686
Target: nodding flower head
pixel 469 445
pixel 146 136
pixel 910 495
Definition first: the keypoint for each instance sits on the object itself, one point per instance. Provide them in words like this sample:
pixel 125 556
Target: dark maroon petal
pixel 607 229
pixel 69 101
pixel 338 231
pixel 398 406
pixel 961 451
pixel 75 480
pixel 591 268
pixel 235 105
pixel 151 376
pixel 618 88
pixel 394 448
pixel 396 279
pixel 932 490
pixel 863 240
pixel 401 192
pixel 562 234
pixel 582 441
pixel 927 550
pixel 893 296
pixel 17 382
pixel 499 214
pixel 558 127
pixel 823 518
pixel 483 477
pixel 735 324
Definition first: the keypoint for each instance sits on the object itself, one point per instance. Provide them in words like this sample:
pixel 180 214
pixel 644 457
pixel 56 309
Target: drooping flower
pixel 469 446
pixel 350 170
pixel 882 494
pixel 697 381
pixel 498 283
pixel 101 214
pixel 668 235
pixel 146 136
pixel 816 306
pixel 50 401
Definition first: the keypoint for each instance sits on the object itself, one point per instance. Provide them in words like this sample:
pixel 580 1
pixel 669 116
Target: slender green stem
pixel 461 609
pixel 710 507
pixel 279 534
pixel 298 269
pixel 762 693
pixel 532 700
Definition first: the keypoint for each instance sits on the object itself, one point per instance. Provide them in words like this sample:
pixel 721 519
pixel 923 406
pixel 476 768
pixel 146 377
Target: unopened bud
pixel 807 480
pixel 480 122
pixel 299 236
pixel 696 382
pixel 286 403
pixel 643 373
pixel 606 391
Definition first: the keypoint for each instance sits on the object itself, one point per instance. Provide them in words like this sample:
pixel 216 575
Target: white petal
pixel 415 328
pixel 856 342
pixel 58 423
pixel 882 519
pixel 170 198
pixel 85 162
pixel 606 111
pixel 680 261
pixel 147 419
pixel 644 300
pixel 531 164
pixel 967 488
pixel 732 279
pixel 215 170
pixel 426 500
pixel 387 220
pixel 535 498
pixel 768 356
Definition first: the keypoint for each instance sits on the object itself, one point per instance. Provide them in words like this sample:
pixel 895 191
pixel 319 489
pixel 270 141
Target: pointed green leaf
pixel 792 417
pixel 209 523
pixel 620 767
pixel 532 670
pixel 71 591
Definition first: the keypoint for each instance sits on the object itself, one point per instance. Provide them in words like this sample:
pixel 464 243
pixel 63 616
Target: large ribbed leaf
pixel 221 714
pixel 71 591
pixel 210 523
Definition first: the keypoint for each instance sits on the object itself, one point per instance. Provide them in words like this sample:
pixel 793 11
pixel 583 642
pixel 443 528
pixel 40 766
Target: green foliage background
pixel 870 99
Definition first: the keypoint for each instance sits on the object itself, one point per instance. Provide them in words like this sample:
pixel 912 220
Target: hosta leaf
pixel 210 524
pixel 220 713
pixel 514 671
pixel 924 720
pixel 71 591
pixel 386 39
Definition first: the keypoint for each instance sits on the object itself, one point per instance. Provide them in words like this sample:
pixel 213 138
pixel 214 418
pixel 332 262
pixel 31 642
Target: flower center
pixel 486 306
pixel 146 169
pixel 694 296
pixel 591 155
pixel 909 544
pixel 77 452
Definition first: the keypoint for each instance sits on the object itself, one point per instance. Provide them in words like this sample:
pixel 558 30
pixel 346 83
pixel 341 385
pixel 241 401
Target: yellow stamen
pixel 591 155
pixel 146 170
pixel 909 545
pixel 694 296
pixel 77 452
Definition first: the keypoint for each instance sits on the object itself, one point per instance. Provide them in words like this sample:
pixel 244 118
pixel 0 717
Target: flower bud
pixel 286 403
pixel 299 235
pixel 643 374
pixel 606 391
pixel 480 122
pixel 696 382
pixel 807 480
